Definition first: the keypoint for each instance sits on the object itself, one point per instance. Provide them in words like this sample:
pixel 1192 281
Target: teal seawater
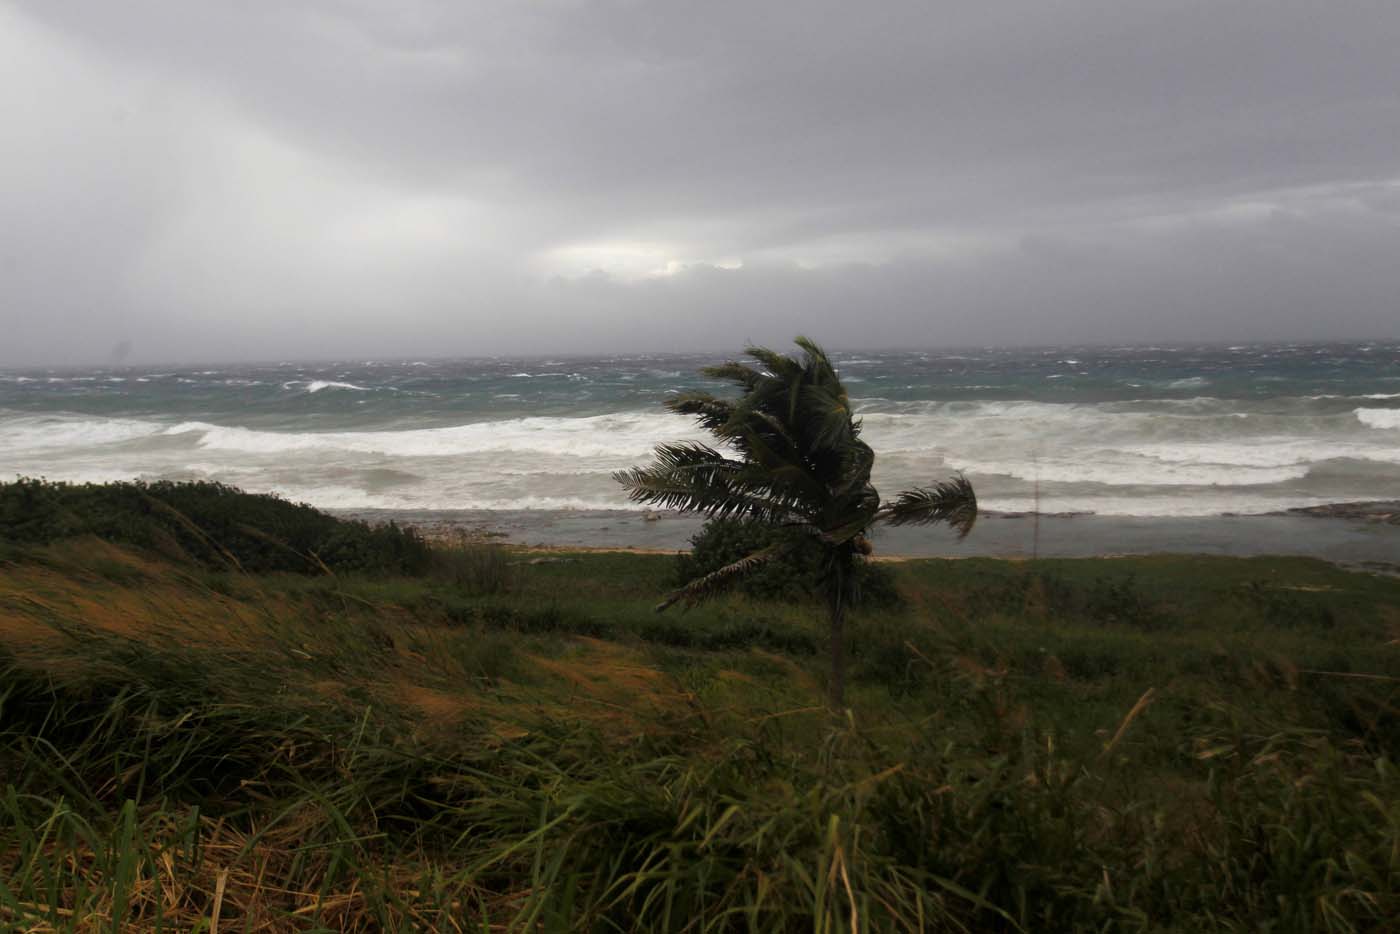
pixel 1109 430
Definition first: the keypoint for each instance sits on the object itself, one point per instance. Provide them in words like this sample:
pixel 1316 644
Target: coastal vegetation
pixel 494 739
pixel 794 573
pixel 210 524
pixel 796 462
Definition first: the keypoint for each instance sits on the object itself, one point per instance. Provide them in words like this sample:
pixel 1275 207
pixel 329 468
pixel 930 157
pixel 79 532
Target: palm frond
pixel 702 588
pixel 693 477
pixel 815 354
pixel 710 413
pixel 760 437
pixel 952 501
pixel 780 365
pixel 735 372
pixel 851 515
pixel 857 460
pixel 828 412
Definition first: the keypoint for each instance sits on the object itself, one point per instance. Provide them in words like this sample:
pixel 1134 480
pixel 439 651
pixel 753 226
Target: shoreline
pixel 1360 534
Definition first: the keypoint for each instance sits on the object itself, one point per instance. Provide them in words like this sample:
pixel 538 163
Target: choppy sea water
pixel 1124 431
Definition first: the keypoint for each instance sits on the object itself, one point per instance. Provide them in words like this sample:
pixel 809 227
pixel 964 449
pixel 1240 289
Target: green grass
pixel 1146 744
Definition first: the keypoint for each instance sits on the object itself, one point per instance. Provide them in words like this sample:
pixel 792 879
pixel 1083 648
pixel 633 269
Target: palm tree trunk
pixel 836 687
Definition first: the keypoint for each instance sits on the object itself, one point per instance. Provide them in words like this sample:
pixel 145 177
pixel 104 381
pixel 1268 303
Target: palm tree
pixel 794 460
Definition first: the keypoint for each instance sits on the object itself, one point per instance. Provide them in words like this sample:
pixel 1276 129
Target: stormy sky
pixel 200 180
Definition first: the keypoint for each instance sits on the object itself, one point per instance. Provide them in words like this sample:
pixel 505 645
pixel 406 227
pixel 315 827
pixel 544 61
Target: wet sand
pixel 1353 537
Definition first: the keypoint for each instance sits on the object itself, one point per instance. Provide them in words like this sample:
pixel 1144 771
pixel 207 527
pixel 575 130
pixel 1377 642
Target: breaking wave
pixel 1148 457
pixel 316 385
pixel 1379 418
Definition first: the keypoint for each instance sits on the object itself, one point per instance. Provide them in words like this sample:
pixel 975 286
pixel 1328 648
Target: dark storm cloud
pixel 333 178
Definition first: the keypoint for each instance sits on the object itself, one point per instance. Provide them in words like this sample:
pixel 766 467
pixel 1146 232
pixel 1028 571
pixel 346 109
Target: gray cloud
pixel 358 178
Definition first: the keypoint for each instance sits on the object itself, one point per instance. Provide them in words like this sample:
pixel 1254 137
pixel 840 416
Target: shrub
pixel 475 568
pixel 210 524
pixel 1288 610
pixel 795 575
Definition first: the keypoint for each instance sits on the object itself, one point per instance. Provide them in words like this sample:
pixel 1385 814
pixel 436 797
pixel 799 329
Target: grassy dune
pixel 503 742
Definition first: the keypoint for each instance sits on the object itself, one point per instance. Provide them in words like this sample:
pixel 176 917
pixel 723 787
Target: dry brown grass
pixel 238 884
pixel 48 611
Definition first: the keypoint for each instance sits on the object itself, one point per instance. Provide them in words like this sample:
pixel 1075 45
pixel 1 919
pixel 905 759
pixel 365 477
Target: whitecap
pixel 618 437
pixel 316 385
pixel 1385 419
pixel 32 433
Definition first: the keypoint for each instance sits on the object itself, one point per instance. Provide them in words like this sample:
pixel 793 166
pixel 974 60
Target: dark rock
pixel 1387 511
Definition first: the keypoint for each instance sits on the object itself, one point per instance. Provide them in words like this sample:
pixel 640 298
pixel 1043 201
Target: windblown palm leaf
pixel 696 478
pixel 796 459
pixel 719 580
pixel 951 501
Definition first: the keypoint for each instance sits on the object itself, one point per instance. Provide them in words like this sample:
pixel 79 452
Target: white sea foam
pixel 1368 395
pixel 47 433
pixel 626 435
pixel 316 385
pixel 1155 457
pixel 313 385
pixel 1127 471
pixel 1379 418
pixel 1148 504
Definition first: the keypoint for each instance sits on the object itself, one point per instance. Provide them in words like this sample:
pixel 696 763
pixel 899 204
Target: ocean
pixel 1112 431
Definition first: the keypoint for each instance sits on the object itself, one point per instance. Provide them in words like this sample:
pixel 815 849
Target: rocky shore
pixel 1387 511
